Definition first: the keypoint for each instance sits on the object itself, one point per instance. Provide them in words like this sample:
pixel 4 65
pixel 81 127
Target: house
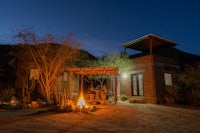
pixel 154 68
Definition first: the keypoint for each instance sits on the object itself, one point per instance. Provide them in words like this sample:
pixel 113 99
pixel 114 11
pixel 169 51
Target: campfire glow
pixel 81 102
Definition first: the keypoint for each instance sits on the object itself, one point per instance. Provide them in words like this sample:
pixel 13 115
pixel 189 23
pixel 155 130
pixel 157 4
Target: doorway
pixel 137 84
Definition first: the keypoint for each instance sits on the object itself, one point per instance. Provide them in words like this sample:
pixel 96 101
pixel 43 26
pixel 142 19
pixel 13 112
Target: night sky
pixel 103 25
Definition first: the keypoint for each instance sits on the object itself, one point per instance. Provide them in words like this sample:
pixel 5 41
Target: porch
pixel 93 94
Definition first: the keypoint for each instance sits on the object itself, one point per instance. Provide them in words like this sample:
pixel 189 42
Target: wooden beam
pixel 150 45
pixel 70 85
pixel 115 89
pixel 94 71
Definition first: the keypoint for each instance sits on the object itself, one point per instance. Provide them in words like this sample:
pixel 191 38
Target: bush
pixel 6 94
pixel 189 79
pixel 174 94
pixel 123 97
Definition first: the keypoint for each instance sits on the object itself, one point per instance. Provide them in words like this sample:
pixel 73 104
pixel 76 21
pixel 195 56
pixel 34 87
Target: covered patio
pixel 93 71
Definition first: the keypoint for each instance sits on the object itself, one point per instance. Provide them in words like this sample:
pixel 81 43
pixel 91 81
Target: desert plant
pixel 123 97
pixel 173 94
pixel 191 83
pixel 6 94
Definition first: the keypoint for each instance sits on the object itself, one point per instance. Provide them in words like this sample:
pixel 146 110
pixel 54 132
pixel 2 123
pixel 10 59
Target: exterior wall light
pixel 124 75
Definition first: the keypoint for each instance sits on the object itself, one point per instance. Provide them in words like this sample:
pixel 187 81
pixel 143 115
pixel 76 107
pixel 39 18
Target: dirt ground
pixel 121 118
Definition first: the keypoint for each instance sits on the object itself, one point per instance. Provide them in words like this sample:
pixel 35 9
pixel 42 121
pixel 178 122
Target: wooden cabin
pixel 154 68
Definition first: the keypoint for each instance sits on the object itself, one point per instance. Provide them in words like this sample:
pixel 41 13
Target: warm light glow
pixel 125 75
pixel 81 102
pixel 12 101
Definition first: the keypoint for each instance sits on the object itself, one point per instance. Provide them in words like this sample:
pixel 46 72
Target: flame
pixel 81 102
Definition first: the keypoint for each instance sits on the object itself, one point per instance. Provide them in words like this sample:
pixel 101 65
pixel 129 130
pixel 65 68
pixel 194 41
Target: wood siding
pixel 141 65
pixel 164 65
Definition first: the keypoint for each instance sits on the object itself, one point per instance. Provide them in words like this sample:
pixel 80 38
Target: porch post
pixel 81 91
pixel 153 72
pixel 70 85
pixel 115 89
pixel 150 47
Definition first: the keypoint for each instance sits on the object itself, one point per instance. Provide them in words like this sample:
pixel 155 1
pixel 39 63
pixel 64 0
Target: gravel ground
pixel 120 118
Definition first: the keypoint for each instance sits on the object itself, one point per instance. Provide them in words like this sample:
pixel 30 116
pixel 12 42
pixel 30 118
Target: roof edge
pixel 146 36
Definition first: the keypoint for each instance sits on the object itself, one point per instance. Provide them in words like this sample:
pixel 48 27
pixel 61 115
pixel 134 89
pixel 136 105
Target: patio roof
pixel 94 71
pixel 148 42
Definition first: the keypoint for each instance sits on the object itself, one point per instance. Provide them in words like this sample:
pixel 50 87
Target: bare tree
pixel 48 55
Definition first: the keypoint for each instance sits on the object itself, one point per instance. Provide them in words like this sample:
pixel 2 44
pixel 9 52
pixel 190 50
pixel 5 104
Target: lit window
pixel 168 79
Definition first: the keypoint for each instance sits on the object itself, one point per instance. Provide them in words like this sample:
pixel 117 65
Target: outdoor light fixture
pixel 12 101
pixel 124 75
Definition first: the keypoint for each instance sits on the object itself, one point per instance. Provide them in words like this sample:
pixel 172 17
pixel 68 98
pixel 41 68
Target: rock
pixel 68 108
pixel 93 108
pixel 33 104
pixel 14 101
pixel 29 105
pixel 105 102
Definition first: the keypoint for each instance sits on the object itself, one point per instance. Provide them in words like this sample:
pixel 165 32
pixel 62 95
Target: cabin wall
pixel 164 65
pixel 125 85
pixel 145 66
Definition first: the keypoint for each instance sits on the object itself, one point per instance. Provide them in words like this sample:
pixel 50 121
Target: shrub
pixel 123 97
pixel 174 94
pixel 191 83
pixel 6 94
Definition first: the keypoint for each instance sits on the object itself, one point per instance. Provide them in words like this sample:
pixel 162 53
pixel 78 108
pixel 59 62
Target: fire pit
pixel 81 102
pixel 80 105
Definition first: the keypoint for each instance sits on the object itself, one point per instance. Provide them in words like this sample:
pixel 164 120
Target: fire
pixel 81 102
